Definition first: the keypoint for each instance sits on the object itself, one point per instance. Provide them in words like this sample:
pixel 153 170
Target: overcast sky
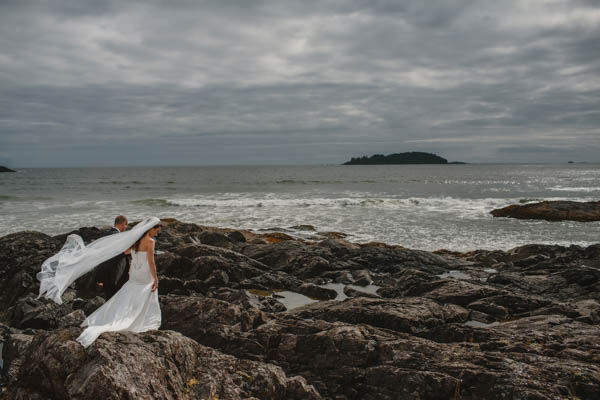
pixel 189 82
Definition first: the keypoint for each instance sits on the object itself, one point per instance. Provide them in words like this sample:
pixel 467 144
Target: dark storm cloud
pixel 256 81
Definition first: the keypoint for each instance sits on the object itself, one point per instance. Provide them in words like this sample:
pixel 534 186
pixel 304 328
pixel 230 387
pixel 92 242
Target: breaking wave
pixel 575 189
pixel 154 202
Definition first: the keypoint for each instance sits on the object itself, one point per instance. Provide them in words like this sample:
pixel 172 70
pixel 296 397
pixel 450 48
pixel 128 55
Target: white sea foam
pixel 575 189
pixel 276 200
pixel 427 207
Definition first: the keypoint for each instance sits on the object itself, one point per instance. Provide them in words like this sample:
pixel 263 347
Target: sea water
pixel 417 206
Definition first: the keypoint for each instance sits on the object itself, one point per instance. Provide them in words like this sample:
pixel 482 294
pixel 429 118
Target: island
pixel 413 157
pixel 4 169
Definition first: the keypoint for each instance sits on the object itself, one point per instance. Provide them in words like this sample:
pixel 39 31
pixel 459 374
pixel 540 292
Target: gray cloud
pixel 267 82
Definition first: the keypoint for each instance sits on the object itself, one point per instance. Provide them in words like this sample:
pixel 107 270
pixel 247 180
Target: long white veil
pixel 75 258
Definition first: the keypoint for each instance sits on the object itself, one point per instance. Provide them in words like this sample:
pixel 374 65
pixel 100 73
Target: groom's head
pixel 121 223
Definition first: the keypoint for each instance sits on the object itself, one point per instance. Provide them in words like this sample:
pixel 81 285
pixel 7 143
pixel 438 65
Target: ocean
pixel 425 207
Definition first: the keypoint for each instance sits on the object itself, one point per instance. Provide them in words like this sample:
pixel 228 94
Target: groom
pixel 113 273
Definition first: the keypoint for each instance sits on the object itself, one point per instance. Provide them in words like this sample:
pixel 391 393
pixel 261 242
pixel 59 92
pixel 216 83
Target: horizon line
pixel 296 165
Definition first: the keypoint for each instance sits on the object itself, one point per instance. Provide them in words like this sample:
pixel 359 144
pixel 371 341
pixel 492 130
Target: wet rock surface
pixel 158 365
pixel 552 211
pixel 523 323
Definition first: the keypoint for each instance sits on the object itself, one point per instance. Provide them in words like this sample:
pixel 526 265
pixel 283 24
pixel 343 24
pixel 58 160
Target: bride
pixel 135 306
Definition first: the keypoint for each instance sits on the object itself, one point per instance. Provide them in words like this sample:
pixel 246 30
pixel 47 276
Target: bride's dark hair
pixel 136 245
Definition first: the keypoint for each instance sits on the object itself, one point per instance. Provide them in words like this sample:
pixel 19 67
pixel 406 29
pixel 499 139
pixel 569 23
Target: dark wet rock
pixel 189 287
pixel 409 314
pixel 277 237
pixel 307 261
pixel 582 276
pixel 21 255
pixel 351 292
pixel 173 265
pixel 30 312
pixel 588 310
pixel 4 331
pixel 510 280
pixel 14 347
pixel 291 257
pixel 478 316
pixel 247 299
pixel 170 285
pixel 275 280
pixel 362 277
pixel 72 320
pixel 316 292
pixel 159 365
pixel 338 244
pixel 552 211
pixel 270 304
pixel 331 354
pixel 217 278
pixel 217 239
pixel 89 305
pixel 237 237
pixel 304 228
pixel 176 233
pixel 209 321
pixel 513 304
pixel 410 282
pixel 460 292
pixel 395 260
pixel 5 169
pixel 206 259
pixel 523 323
pixel 344 277
pixel 489 308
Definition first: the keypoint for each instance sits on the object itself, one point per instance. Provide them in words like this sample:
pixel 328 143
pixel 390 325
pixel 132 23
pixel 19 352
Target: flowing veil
pixel 75 258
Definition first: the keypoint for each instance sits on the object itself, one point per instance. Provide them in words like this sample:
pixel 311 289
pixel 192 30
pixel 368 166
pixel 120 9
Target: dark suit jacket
pixel 113 273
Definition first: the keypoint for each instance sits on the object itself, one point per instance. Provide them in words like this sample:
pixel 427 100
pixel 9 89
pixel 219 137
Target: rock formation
pixel 552 211
pixel 523 323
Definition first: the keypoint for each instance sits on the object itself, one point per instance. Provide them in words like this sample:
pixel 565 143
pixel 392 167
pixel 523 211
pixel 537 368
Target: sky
pixel 190 82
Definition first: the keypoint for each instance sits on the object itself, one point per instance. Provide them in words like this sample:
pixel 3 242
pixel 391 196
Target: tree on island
pixel 413 157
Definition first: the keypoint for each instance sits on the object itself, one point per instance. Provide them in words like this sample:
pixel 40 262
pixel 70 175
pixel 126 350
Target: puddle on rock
pixel 293 300
pixel 455 275
pixel 289 299
pixel 477 324
pixel 339 288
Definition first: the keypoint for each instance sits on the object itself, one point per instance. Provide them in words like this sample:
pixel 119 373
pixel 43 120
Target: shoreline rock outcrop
pixel 552 211
pixel 523 323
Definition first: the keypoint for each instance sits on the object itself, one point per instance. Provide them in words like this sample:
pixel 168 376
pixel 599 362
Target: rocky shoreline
pixel 559 210
pixel 518 324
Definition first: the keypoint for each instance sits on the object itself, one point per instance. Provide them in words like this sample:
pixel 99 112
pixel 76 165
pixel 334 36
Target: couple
pixel 135 306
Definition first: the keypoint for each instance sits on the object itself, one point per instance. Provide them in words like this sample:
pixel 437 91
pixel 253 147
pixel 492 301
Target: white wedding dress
pixel 133 308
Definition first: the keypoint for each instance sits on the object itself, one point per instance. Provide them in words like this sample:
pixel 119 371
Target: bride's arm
pixel 150 253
